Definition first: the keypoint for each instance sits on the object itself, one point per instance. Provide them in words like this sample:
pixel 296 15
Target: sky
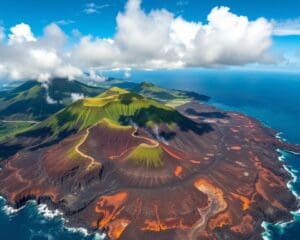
pixel 46 38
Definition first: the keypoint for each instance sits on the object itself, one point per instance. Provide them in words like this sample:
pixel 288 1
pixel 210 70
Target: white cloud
pixel 287 27
pixel 183 32
pixel 25 56
pixel 153 40
pixel 46 87
pixel 160 40
pixel 67 70
pixel 21 33
pixel 93 75
pixel 2 34
pixel 91 8
pixel 76 96
pixel 64 22
pixel 53 37
pixel 50 100
pixel 228 39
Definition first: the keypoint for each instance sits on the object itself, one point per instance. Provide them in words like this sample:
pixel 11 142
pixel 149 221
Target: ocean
pixel 272 98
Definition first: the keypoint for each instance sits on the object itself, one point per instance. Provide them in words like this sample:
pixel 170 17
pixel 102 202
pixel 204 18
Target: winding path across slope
pixel 93 161
pixel 153 143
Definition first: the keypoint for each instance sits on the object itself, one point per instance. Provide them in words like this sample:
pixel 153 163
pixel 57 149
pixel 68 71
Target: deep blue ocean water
pixel 273 98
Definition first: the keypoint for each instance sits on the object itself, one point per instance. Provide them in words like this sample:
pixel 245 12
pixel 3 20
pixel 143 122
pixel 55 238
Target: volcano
pixel 135 168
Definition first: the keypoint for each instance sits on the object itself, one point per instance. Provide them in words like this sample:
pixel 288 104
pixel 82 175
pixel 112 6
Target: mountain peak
pixel 146 84
pixel 113 91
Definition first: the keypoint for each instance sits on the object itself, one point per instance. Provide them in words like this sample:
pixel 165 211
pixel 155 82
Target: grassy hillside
pixel 118 105
pixel 169 96
pixel 8 129
pixel 30 101
pixel 121 83
pixel 150 157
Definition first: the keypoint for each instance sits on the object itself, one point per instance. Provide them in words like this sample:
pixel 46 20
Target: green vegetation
pixel 117 105
pixel 107 123
pixel 72 154
pixel 172 98
pixel 113 82
pixel 147 155
pixel 9 129
pixel 29 101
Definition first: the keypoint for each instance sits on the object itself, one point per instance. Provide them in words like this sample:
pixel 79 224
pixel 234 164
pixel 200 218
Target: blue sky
pixel 38 13
pixel 85 29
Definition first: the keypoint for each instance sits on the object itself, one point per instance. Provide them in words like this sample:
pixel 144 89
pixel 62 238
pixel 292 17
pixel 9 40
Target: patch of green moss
pixel 148 156
pixel 72 154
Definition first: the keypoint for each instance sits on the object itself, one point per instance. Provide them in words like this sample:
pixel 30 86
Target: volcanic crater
pixel 139 170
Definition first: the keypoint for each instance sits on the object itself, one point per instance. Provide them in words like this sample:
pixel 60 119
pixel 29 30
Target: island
pixel 147 163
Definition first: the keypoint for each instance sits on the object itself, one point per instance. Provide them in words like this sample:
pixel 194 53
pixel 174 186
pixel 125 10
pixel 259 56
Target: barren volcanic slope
pixel 140 170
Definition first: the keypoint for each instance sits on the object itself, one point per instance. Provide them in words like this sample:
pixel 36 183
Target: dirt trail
pixel 153 143
pixel 93 161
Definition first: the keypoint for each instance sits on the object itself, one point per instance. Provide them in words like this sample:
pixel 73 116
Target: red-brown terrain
pixel 218 183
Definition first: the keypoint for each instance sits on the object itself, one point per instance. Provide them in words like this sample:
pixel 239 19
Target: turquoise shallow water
pixel 273 98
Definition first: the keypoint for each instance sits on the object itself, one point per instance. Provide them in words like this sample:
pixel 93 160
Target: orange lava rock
pixel 246 201
pixel 110 206
pixel 117 227
pixel 235 148
pixel 220 220
pixel 178 171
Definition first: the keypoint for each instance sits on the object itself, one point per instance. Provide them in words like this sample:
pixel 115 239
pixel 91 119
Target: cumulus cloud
pixel 143 40
pixel 21 33
pixel 158 39
pixel 229 39
pixel 93 75
pixel 25 56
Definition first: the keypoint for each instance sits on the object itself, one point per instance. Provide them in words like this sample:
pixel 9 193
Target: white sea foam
pixel 266 235
pixel 10 210
pixel 291 171
pixel 279 136
pixel 47 213
pixel 99 236
pixel 81 230
pixel 85 233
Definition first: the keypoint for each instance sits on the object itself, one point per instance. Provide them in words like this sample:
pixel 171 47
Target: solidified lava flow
pixel 210 176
